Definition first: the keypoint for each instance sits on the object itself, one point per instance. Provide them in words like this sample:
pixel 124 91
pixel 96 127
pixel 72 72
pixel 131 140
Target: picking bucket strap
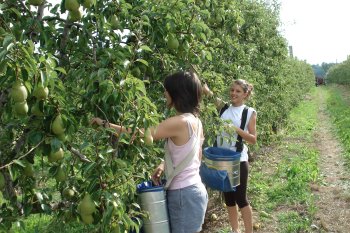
pixel 239 142
pixel 170 171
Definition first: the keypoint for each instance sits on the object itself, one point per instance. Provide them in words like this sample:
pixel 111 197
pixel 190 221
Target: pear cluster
pixel 73 7
pixel 86 208
pixel 19 96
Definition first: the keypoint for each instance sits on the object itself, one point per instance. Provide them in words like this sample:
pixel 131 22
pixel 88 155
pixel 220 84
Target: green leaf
pixel 8 39
pixel 145 47
pixel 34 137
pixel 55 144
pixel 3 66
pixel 19 162
pixel 43 77
pixel 61 69
pixel 142 61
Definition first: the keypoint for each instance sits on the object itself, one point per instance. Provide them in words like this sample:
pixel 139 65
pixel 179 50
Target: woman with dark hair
pixel 187 197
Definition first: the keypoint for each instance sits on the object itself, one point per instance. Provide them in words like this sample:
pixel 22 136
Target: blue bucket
pixel 221 168
pixel 152 200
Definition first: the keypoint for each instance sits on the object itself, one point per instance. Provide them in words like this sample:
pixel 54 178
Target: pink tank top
pixel 190 175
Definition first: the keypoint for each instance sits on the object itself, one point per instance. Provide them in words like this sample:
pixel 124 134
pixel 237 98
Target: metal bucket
pixel 224 159
pixel 152 199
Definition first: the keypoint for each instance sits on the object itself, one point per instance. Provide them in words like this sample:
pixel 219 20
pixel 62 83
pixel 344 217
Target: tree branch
pixel 21 157
pixel 77 153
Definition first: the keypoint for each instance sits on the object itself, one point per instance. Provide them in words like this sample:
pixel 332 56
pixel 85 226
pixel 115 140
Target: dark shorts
pixel 239 196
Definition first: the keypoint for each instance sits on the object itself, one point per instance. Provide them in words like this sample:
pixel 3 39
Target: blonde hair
pixel 247 87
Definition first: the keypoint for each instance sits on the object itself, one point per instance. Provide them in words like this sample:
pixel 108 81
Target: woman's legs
pixel 247 216
pixel 239 197
pixel 233 217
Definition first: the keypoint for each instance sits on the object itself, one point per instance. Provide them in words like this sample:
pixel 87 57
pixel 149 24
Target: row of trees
pixel 61 64
pixel 339 73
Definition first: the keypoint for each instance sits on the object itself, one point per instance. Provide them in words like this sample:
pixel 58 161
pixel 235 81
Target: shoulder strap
pixel 170 171
pixel 223 109
pixel 239 142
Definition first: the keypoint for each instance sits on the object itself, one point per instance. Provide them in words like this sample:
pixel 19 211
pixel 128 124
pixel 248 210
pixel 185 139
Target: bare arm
pixel 219 103
pixel 169 128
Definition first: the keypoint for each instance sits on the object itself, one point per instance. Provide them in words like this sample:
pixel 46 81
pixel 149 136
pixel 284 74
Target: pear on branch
pixel 35 110
pixel 86 208
pixel 21 108
pixel 57 126
pixel 88 3
pixel 19 92
pixel 56 156
pixel 28 170
pixel 60 174
pixel 74 16
pixel 41 92
pixel 71 5
pixel 173 43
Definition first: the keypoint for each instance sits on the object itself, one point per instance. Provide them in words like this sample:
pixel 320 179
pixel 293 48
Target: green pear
pixel 56 156
pixel 87 219
pixel 19 92
pixel 87 206
pixel 136 72
pixel 114 22
pixel 62 137
pixel 60 175
pixel 21 108
pixel 71 5
pixel 88 3
pixel 57 126
pixel 115 228
pixel 74 16
pixel 173 43
pixel 36 110
pixel 28 170
pixel 41 92
pixel 68 193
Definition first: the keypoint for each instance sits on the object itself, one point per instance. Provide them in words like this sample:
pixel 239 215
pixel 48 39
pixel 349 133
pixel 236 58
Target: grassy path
pixel 300 184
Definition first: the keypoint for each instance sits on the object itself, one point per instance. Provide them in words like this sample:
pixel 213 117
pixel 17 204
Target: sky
pixel 317 30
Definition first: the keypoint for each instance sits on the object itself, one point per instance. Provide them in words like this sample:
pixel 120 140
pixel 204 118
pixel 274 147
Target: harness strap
pixel 239 142
pixel 170 170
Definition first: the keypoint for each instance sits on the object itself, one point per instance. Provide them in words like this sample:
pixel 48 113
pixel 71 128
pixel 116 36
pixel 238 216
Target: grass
pixel 339 109
pixel 285 191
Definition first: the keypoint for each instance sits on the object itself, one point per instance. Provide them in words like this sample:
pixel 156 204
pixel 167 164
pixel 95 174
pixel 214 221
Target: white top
pixel 234 115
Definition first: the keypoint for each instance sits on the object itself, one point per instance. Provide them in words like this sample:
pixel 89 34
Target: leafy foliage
pixel 339 73
pixel 109 60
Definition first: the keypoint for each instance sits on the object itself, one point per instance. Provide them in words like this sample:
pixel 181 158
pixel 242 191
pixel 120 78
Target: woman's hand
pixel 97 121
pixel 157 174
pixel 206 90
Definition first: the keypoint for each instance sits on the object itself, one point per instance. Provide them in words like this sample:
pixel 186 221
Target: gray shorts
pixel 187 208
